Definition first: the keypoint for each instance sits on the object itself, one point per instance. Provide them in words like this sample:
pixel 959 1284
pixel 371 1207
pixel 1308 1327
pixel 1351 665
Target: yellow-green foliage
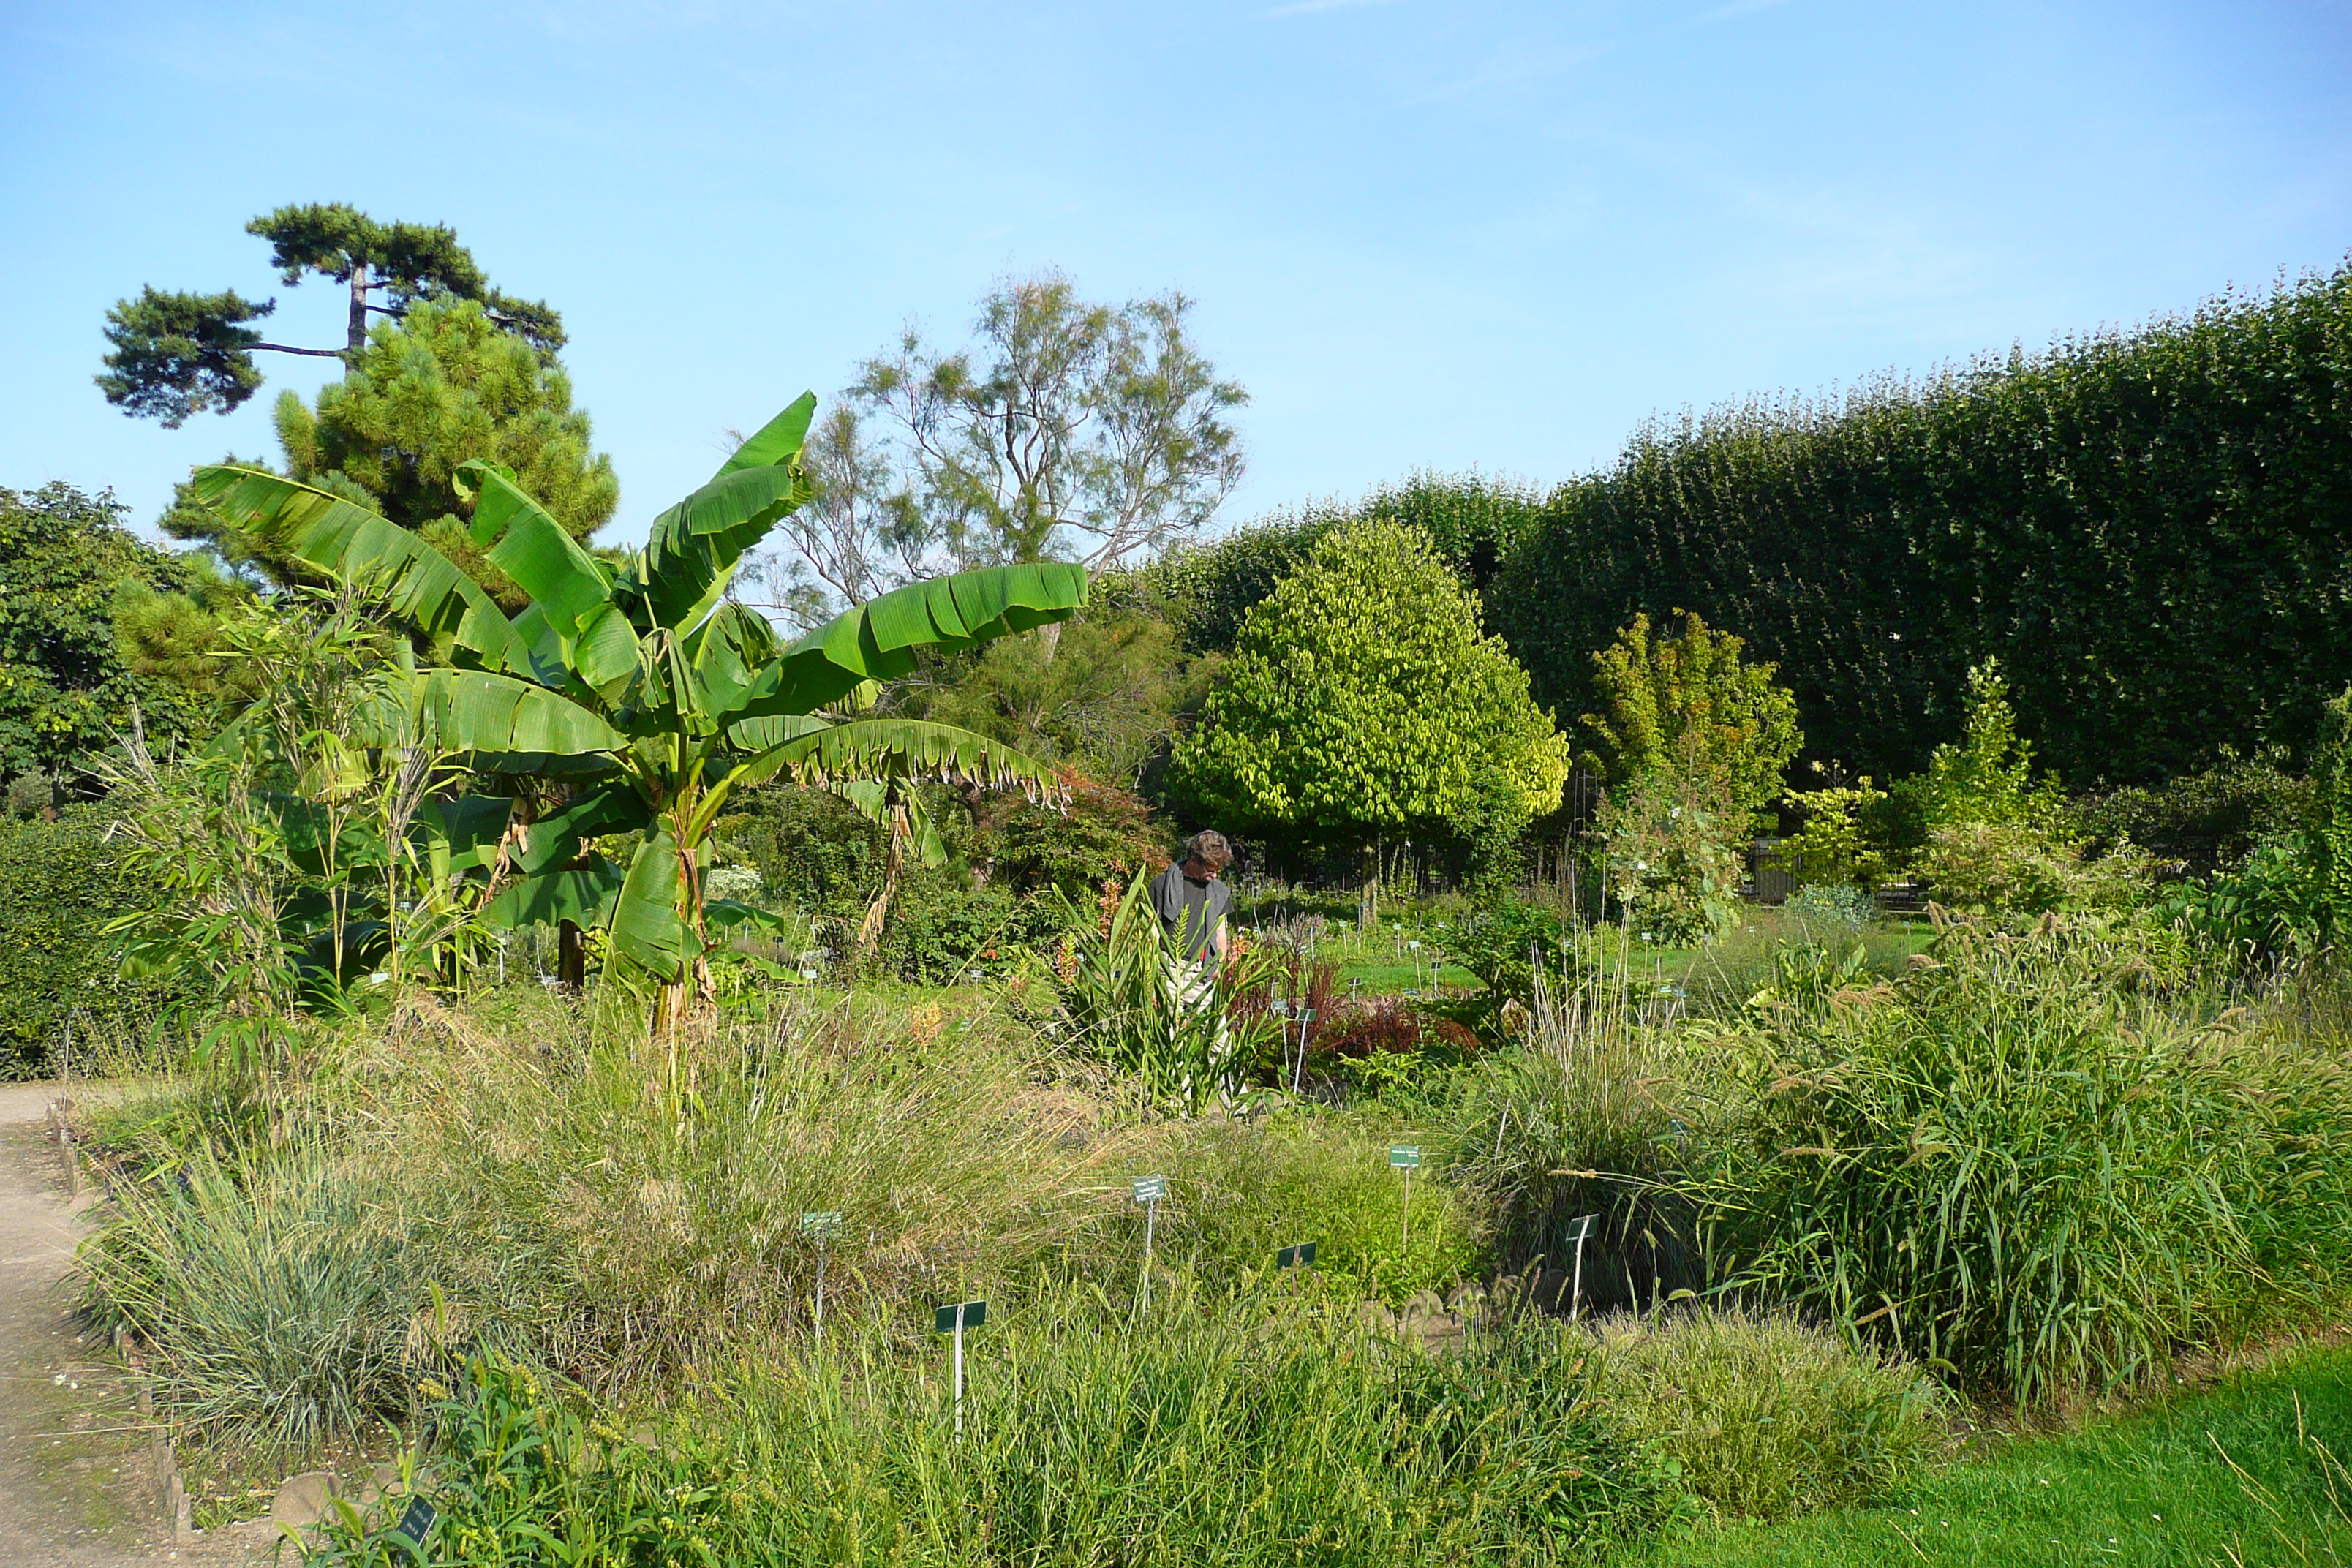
pixel 1766 1416
pixel 1361 697
pixel 1684 702
pixel 1241 1190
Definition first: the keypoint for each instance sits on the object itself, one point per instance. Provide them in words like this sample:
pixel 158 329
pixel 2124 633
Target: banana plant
pixel 640 696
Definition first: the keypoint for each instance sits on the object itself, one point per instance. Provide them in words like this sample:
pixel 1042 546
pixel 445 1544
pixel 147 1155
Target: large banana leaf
pixel 464 835
pixel 586 897
pixel 478 711
pixel 891 748
pixel 565 582
pixel 555 837
pixel 877 640
pixel 418 582
pixel 645 927
pixel 691 551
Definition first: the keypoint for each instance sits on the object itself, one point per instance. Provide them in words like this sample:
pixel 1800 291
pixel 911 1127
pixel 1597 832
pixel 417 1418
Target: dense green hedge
pixel 1207 588
pixel 2153 530
pixel 2150 529
pixel 59 883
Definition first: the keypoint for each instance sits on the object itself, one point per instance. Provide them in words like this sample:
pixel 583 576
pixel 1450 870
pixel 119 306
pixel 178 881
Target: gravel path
pixel 76 1490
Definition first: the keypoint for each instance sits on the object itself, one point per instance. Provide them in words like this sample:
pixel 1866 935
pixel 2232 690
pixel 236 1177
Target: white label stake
pixel 821 1227
pixel 1576 1288
pixel 1149 1192
pixel 954 1319
pixel 1405 1157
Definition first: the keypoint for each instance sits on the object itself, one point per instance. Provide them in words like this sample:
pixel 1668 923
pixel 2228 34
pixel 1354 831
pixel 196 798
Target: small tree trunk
pixel 571 958
pixel 355 335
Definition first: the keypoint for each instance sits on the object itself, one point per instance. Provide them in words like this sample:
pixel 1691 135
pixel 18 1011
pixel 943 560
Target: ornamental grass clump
pixel 1767 1416
pixel 2026 1165
pixel 1222 1432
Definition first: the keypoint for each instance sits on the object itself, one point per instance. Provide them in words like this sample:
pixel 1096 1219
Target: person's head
pixel 1206 854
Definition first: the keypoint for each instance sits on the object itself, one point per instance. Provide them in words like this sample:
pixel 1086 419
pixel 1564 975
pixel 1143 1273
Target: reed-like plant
pixel 1590 1115
pixel 2026 1166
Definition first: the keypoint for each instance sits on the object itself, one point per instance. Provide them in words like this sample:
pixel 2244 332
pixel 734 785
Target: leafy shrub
pixel 1363 702
pixel 939 927
pixel 1507 943
pixel 1767 1418
pixel 1833 906
pixel 1998 836
pixel 2019 1166
pixel 1687 703
pixel 1837 846
pixel 2277 902
pixel 1673 862
pixel 72 670
pixel 2018 867
pixel 2208 820
pixel 60 884
pixel 2293 895
pixel 1102 832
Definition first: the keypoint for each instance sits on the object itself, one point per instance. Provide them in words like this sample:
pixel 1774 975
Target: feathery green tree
pixel 1688 700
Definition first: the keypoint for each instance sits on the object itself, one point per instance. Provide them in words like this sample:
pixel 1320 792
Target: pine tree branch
pixel 289 349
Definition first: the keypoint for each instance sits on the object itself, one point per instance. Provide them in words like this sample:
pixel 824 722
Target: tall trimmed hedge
pixel 59 883
pixel 2153 530
pixel 1207 588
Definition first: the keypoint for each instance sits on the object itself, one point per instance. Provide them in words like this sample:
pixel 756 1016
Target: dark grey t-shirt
pixel 1194 908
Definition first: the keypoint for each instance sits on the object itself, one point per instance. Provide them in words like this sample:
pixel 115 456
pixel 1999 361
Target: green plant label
pixel 1581 1227
pixel 417 1523
pixel 823 1226
pixel 1405 1156
pixel 1151 1189
pixel 960 1314
pixel 1300 1256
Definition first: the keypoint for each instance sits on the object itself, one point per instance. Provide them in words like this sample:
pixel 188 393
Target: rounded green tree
pixel 1363 702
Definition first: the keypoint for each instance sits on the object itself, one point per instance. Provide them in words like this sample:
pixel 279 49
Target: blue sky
pixel 1423 236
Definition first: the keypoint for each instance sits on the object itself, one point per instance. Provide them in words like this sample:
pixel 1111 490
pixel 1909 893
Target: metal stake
pixel 959 1374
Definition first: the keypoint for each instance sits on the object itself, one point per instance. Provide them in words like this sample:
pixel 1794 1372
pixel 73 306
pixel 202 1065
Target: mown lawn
pixel 2243 1473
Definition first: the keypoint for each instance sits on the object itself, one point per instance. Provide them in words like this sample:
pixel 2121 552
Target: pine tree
pixel 442 385
pixel 175 354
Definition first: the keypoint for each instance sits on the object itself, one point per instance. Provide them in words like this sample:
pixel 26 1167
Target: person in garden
pixel 1192 903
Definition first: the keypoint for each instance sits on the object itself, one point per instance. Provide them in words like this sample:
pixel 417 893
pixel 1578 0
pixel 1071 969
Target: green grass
pixel 2243 1473
pixel 1386 977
